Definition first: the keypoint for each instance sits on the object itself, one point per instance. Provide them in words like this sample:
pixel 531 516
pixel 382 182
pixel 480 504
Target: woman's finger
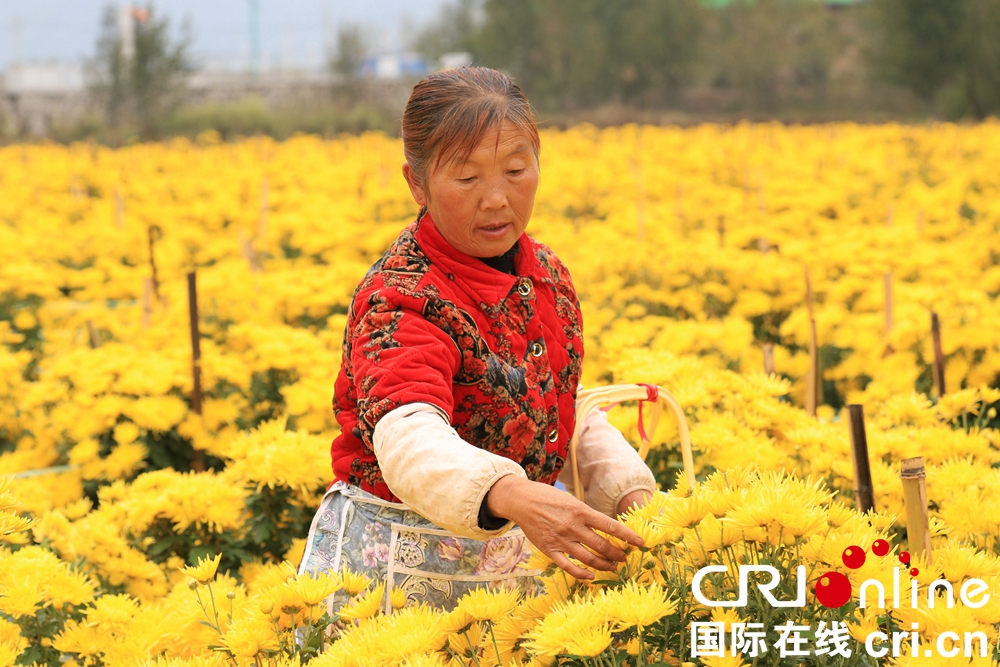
pixel 591 559
pixel 560 559
pixel 616 528
pixel 601 546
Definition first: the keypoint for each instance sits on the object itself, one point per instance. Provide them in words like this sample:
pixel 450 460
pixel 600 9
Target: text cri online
pixel 749 638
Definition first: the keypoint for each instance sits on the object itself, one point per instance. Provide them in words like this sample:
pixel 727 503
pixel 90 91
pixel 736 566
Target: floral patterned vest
pixel 500 354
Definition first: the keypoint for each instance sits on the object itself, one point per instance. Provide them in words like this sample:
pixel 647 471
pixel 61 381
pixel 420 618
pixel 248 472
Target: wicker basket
pixel 591 399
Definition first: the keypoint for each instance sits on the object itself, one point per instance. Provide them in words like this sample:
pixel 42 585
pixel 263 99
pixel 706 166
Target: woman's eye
pixel 515 172
pixel 470 179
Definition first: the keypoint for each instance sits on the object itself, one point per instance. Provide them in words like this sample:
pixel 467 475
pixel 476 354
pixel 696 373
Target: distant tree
pixel 352 49
pixel 452 32
pixel 768 48
pixel 140 82
pixel 927 45
pixel 569 54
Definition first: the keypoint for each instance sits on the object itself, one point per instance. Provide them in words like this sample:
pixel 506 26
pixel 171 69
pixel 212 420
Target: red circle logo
pixel 833 590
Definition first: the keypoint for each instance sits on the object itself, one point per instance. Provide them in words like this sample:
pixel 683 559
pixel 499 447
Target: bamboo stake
pixel 768 349
pixel 198 462
pixel 938 355
pixel 864 492
pixel 147 301
pixel 248 252
pixel 887 291
pixel 679 207
pixel 95 340
pixel 813 377
pixel 119 210
pixel 722 231
pixel 152 258
pixel 262 222
pixel 918 534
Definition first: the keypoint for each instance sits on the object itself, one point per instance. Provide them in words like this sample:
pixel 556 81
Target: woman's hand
pixel 559 525
pixel 636 498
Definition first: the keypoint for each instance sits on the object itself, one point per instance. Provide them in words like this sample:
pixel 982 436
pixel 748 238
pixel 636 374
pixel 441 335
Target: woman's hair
pixel 450 112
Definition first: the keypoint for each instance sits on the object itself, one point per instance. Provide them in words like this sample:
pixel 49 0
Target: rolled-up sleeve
pixel 610 468
pixel 440 476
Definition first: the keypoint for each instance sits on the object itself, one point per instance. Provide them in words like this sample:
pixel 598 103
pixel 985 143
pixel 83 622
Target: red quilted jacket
pixel 498 353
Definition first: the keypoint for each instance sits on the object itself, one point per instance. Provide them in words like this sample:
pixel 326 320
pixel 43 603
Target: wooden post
pixel 887 292
pixel 147 301
pixel 768 350
pixel 119 210
pixel 640 199
pixel 262 222
pixel 722 231
pixel 95 340
pixel 918 534
pixel 813 378
pixel 679 208
pixel 249 254
pixel 938 355
pixel 763 245
pixel 198 462
pixel 864 492
pixel 152 233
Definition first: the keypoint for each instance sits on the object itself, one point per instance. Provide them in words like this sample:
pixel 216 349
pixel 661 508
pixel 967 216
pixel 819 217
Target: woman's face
pixel 482 205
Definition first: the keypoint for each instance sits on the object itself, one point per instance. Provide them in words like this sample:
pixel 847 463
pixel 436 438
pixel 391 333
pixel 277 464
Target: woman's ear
pixel 416 187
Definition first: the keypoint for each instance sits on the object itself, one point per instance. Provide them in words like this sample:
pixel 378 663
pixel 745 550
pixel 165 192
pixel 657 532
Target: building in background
pixel 36 96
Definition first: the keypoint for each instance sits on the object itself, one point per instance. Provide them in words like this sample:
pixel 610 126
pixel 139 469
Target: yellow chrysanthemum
pixel 313 590
pixel 354 583
pixel 205 570
pixel 590 643
pixel 397 598
pixel 485 604
pixel 635 605
pixel 364 606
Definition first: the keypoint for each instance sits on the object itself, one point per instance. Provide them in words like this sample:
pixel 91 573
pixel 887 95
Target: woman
pixel 461 364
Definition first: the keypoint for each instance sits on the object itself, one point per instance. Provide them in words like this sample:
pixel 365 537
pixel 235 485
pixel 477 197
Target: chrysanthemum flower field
pixel 136 531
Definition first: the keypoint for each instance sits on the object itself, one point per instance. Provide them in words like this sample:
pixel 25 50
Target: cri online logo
pixel 833 589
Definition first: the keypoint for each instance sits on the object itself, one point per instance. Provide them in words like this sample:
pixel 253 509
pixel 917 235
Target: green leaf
pixel 163 545
pixel 200 553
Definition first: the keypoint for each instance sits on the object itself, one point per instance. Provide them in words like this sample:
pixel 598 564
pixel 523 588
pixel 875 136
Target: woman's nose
pixel 495 196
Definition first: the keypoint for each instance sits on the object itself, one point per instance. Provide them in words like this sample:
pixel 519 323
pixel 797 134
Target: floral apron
pixel 389 542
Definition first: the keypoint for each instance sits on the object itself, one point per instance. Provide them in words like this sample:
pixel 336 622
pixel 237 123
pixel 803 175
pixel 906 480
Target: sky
pixel 293 33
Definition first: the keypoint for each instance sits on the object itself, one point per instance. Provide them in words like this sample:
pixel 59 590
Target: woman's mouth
pixel 497 230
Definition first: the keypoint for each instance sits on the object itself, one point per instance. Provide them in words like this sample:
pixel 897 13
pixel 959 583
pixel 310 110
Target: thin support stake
pixel 864 492
pixel 814 377
pixel 152 233
pixel 938 355
pixel 887 302
pixel 814 382
pixel 768 350
pixel 147 301
pixel 119 210
pixel 95 339
pixel 198 462
pixel 918 533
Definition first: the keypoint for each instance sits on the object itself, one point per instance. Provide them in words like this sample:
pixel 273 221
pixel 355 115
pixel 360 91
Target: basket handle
pixel 589 399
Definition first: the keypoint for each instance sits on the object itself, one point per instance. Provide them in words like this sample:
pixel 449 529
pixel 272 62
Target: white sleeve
pixel 610 468
pixel 430 468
